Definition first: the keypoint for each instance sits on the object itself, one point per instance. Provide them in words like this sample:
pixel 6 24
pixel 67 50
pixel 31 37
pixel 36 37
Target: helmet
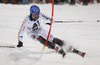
pixel 34 9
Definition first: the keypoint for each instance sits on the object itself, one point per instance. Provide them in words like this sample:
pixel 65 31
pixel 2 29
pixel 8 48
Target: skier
pixel 35 31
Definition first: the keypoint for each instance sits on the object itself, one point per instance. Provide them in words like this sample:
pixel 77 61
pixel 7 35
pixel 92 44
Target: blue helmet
pixel 34 9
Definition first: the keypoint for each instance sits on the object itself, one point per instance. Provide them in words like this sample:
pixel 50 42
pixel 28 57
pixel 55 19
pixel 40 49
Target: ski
pixel 2 46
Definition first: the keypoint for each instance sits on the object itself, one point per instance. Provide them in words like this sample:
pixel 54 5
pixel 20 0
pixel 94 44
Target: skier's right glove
pixel 20 44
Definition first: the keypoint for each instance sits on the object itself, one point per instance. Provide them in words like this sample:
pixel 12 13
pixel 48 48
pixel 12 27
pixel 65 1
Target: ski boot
pixel 60 50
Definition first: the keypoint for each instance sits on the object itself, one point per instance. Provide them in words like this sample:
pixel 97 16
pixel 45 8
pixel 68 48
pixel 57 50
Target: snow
pixel 85 35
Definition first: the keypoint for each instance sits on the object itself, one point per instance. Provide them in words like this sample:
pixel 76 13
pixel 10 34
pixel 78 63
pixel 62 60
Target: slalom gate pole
pixel 50 24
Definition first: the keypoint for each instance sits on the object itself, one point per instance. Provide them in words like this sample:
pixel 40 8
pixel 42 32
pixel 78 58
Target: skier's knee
pixel 41 39
pixel 49 44
pixel 58 41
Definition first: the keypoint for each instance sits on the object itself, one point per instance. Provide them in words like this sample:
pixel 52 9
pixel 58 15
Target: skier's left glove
pixel 48 23
pixel 20 44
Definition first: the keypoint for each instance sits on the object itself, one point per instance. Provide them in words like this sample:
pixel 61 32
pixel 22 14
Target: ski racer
pixel 35 31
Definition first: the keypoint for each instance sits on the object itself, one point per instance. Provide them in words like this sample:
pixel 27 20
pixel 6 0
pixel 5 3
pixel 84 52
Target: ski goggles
pixel 35 14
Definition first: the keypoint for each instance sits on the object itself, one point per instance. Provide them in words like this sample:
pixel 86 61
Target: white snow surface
pixel 85 35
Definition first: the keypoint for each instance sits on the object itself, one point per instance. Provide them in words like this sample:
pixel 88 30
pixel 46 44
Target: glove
pixel 20 44
pixel 48 23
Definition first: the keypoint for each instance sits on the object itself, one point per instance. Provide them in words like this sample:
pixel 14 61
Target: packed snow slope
pixel 84 35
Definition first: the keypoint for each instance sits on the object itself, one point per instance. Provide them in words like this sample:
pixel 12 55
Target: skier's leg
pixel 67 47
pixel 52 45
pixel 49 44
pixel 58 41
pixel 61 43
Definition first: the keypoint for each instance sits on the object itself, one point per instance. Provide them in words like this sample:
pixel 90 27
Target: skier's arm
pixel 21 31
pixel 46 18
